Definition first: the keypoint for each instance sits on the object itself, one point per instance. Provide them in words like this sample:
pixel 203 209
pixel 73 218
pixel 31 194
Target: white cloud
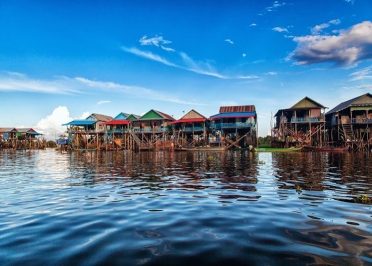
pixel 200 67
pixel 157 41
pixel 244 55
pixel 204 68
pixel 148 55
pixel 253 25
pixel 13 81
pixel 362 74
pixel 319 28
pixel 350 1
pixel 271 73
pixel 10 82
pixel 136 91
pixel 188 64
pixel 275 6
pixel 355 90
pixel 280 29
pixel 51 125
pixel 103 102
pixel 229 41
pixel 347 48
pixel 84 115
pixel 247 77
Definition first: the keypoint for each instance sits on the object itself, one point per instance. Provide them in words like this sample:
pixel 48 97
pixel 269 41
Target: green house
pixel 153 122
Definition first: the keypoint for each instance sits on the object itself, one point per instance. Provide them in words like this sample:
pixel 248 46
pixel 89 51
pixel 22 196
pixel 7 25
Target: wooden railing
pixel 231 125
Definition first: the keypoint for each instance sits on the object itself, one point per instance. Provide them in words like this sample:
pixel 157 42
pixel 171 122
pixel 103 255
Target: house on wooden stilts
pixel 28 138
pixel 350 123
pixel 88 133
pixel 301 125
pixel 118 134
pixel 8 138
pixel 190 131
pixel 153 130
pixel 234 127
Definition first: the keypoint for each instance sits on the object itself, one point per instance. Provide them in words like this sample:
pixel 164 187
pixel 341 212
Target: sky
pixel 61 60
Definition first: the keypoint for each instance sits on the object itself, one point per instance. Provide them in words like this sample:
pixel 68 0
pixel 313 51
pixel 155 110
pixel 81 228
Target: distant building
pixel 350 122
pixel 234 126
pixel 190 130
pixel 300 125
pixel 87 133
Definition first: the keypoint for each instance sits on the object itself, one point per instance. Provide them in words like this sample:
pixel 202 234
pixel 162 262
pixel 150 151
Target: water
pixel 184 208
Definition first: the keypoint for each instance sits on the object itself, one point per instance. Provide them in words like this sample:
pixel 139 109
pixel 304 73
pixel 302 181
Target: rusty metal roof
pixel 237 108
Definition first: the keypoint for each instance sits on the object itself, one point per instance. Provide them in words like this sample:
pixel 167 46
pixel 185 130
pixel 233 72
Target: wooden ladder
pixel 135 138
pixel 348 131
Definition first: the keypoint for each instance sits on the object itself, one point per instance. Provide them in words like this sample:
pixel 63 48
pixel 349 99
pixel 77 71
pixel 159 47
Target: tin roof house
pixel 234 126
pixel 302 124
pixel 350 122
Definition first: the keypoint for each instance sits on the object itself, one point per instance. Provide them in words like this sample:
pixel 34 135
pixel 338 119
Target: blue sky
pixel 62 60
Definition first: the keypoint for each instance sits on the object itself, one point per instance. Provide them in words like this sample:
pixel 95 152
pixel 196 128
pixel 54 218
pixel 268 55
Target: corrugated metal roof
pixel 237 108
pixel 133 117
pixel 190 120
pixel 233 115
pixel 192 114
pixel 306 103
pixel 350 103
pixel 82 122
pixel 158 116
pixel 7 129
pixel 166 116
pixel 118 122
pixel 121 116
pixel 28 131
pixel 100 117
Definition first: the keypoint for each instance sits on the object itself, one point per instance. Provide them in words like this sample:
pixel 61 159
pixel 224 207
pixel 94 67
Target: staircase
pixel 348 131
pixel 135 138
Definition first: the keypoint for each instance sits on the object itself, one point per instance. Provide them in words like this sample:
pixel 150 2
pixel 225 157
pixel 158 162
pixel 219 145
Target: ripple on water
pixel 185 208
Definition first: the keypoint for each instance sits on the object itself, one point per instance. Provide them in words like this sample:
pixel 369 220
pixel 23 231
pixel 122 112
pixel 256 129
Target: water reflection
pixel 183 208
pixel 341 176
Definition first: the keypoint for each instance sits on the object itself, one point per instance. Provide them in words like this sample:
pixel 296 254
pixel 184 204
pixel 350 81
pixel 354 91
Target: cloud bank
pixel 51 125
pixel 346 48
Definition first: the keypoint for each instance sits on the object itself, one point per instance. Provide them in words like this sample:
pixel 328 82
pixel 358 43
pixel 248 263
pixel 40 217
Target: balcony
pixel 192 129
pixel 307 119
pixel 117 131
pixel 232 125
pixel 363 120
pixel 150 130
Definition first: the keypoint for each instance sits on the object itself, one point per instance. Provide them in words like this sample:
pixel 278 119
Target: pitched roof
pixel 307 103
pixel 80 122
pixel 156 115
pixel 100 117
pixel 133 117
pixel 191 117
pixel 166 116
pixel 121 116
pixel 362 100
pixel 237 108
pixel 7 129
pixel 233 115
pixel 28 131
pixel 192 114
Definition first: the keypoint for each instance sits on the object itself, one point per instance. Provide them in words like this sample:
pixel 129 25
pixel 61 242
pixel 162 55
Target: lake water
pixel 185 208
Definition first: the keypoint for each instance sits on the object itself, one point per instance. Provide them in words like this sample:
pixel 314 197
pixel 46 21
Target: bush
pixel 51 144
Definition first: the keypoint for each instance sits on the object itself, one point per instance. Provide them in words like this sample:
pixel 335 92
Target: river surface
pixel 185 208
